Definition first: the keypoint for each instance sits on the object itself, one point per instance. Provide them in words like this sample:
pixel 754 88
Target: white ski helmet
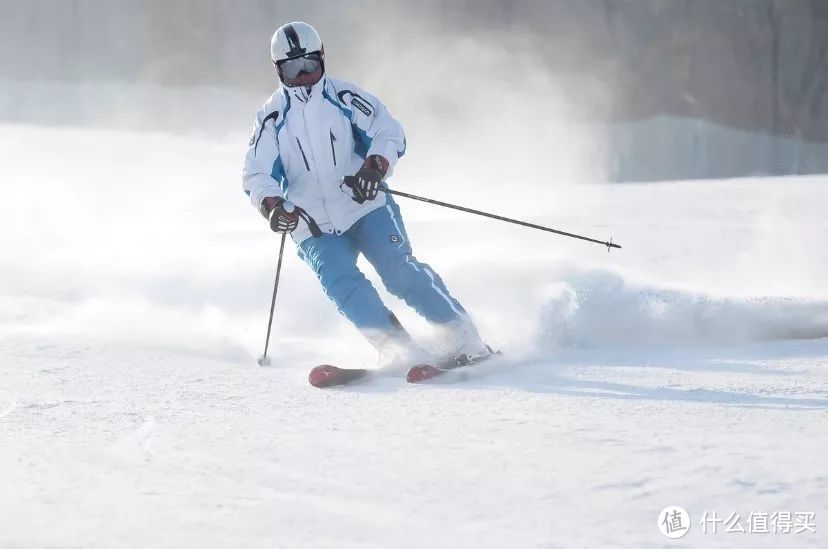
pixel 296 41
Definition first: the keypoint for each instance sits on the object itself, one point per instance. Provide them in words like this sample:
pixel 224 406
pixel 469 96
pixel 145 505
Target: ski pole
pixel 609 244
pixel 264 360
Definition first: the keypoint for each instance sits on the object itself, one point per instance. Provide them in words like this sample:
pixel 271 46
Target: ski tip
pixel 326 375
pixel 323 375
pixel 421 373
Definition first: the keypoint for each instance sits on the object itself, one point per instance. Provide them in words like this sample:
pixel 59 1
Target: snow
pixel 688 368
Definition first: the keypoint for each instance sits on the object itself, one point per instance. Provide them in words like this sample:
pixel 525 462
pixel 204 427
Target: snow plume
pixel 481 113
pixel 600 308
pixel 123 322
pixel 479 105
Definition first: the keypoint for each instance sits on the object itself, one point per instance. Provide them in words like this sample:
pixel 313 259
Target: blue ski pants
pixel 381 237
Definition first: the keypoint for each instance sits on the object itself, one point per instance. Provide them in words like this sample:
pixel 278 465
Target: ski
pixel 326 375
pixel 422 372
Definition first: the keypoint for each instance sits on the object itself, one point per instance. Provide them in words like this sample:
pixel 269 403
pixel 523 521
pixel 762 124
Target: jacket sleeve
pixel 379 131
pixel 263 172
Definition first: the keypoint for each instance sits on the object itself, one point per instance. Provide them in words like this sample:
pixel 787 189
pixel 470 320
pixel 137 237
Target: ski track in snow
pixel 689 368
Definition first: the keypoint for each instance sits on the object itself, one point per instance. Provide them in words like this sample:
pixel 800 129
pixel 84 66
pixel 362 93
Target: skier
pixel 311 132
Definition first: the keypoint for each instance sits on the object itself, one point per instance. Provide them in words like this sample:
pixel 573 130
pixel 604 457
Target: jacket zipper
pixel 333 150
pixel 307 166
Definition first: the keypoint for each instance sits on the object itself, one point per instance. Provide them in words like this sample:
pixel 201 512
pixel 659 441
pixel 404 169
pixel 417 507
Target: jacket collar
pixel 304 95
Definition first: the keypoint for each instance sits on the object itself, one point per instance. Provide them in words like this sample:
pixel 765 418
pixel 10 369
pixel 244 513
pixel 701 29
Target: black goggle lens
pixel 292 67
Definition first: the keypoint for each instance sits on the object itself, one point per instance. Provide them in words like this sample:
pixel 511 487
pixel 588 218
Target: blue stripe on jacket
pixel 362 142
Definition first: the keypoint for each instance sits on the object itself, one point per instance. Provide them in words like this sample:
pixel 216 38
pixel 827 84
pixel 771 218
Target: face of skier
pixel 301 71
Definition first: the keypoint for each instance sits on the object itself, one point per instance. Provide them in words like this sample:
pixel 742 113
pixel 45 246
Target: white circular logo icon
pixel 674 522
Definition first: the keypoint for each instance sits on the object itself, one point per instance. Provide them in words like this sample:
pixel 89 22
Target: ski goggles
pixel 291 68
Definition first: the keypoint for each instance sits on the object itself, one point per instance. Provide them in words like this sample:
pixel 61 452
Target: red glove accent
pixel 376 162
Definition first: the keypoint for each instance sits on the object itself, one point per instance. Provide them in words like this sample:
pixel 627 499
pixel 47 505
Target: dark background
pixel 753 64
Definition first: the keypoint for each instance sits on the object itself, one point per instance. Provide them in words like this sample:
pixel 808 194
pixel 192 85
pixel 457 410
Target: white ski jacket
pixel 304 143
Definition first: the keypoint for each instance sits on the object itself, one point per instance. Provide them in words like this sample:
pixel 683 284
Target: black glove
pixel 281 220
pixel 367 181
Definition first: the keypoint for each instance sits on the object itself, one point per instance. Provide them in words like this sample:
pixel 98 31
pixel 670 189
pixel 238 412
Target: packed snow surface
pixel 689 368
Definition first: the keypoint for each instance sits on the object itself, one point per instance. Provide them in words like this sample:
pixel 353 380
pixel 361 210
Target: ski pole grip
pixel 349 181
pixel 312 225
pixel 288 206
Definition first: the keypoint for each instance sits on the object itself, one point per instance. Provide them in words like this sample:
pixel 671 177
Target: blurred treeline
pixel 758 65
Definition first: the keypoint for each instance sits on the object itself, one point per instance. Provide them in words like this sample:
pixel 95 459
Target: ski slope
pixel 689 368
